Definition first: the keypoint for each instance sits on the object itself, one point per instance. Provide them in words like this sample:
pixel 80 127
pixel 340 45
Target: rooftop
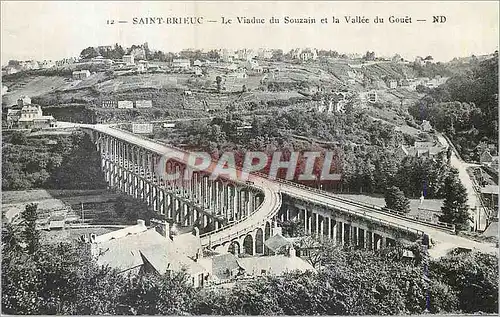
pixel 277 242
pixel 275 265
pixel 136 245
pixel 490 189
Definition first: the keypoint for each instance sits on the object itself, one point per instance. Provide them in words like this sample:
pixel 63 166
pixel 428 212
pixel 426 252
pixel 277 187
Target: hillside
pixel 286 84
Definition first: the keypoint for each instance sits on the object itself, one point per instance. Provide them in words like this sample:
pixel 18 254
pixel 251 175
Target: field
pixel 143 81
pixel 31 87
pixel 52 203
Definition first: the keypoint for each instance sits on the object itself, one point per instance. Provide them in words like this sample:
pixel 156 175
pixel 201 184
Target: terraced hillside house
pixel 128 59
pixel 181 64
pixel 81 74
pixel 29 117
pixel 304 54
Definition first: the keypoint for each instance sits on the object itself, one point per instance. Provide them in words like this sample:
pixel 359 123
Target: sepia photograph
pixel 249 158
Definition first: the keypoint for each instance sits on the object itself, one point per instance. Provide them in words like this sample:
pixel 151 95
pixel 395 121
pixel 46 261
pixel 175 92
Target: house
pixel 181 63
pixel 28 65
pixel 227 55
pixel 125 104
pixel 197 63
pixel 304 54
pixel 372 96
pixel 265 53
pixel 81 74
pixel 490 195
pixel 494 163
pixel 426 126
pixel 419 149
pixel 485 157
pixel 153 67
pixel 128 59
pixel 238 75
pixel 138 250
pixel 144 63
pixel 401 152
pixel 226 268
pixel 275 264
pixel 9 70
pixel 392 84
pixel 57 224
pixel 29 117
pixel 277 243
pixel 23 101
pixel 142 128
pixel 143 103
pixel 197 71
pixel 109 104
pixel 222 268
pixel 246 54
pixel 66 61
pixel 141 68
pixel 251 64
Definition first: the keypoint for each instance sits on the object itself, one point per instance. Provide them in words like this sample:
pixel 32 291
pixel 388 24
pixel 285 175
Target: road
pixel 272 202
pixel 476 209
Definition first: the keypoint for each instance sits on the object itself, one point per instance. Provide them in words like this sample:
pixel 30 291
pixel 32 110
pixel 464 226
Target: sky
pixel 53 30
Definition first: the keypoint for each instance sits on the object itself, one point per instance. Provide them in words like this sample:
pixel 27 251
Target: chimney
pixel 162 227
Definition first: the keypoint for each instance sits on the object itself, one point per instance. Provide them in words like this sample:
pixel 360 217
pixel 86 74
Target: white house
pixel 29 117
pixel 304 54
pixel 128 59
pixel 265 53
pixel 125 104
pixel 392 84
pixel 181 63
pixel 197 71
pixel 140 250
pixel 143 104
pixel 81 74
pixel 372 96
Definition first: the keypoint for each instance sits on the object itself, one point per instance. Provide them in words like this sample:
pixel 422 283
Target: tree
pixel 369 56
pixel 30 234
pixel 89 52
pixel 395 199
pixel 472 276
pixel 81 168
pixel 18 138
pixel 455 209
pixel 218 81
